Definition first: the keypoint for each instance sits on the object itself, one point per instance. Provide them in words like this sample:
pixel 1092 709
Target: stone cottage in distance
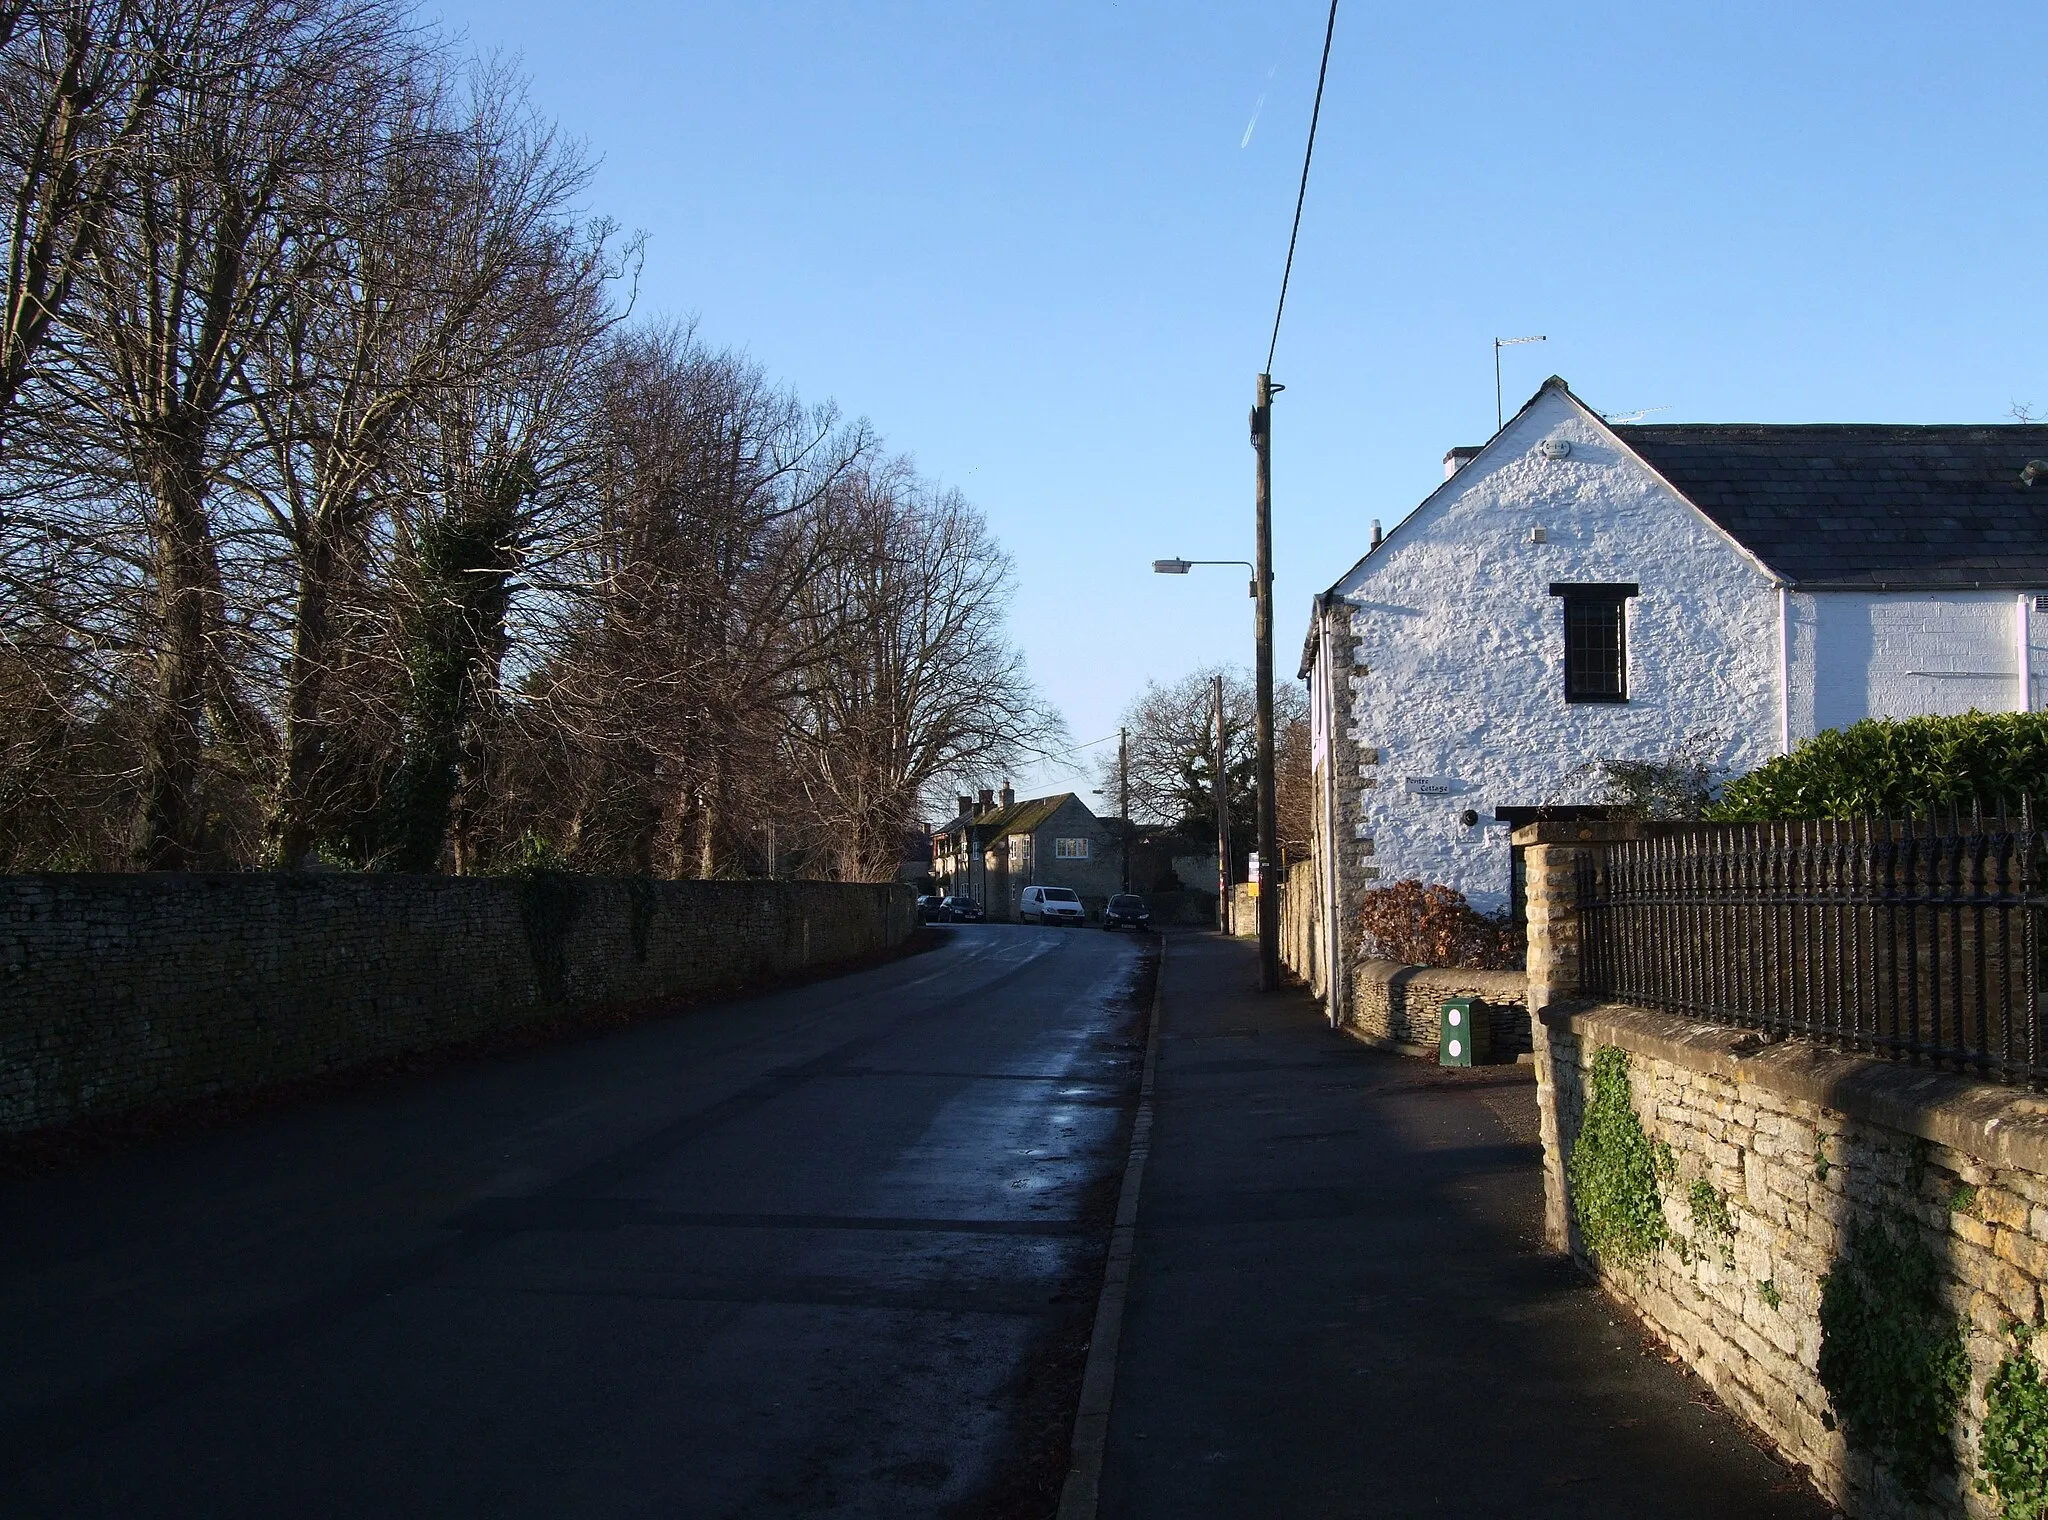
pixel 998 846
pixel 1577 591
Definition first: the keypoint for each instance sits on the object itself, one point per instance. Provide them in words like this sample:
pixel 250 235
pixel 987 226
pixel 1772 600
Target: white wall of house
pixel 1909 654
pixel 1456 687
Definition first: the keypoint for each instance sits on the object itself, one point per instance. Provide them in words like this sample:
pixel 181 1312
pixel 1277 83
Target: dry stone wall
pixel 124 991
pixel 1399 1005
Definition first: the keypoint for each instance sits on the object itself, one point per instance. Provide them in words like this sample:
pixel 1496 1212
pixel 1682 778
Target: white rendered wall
pixel 1909 654
pixel 1460 647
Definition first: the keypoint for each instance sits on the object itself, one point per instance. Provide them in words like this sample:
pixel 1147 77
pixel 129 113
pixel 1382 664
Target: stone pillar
pixel 1551 855
pixel 1551 889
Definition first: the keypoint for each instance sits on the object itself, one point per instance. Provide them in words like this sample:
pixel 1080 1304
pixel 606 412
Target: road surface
pixel 807 1253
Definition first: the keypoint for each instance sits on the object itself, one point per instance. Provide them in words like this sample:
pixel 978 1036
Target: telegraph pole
pixel 1123 803
pixel 1262 584
pixel 1222 819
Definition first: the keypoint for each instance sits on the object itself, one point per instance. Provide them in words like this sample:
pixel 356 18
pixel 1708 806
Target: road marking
pixel 1082 1492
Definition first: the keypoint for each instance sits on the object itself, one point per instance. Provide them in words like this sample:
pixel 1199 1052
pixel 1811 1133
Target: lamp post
pixel 1262 592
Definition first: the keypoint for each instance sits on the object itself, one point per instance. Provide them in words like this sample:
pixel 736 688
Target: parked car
pixel 1126 910
pixel 961 910
pixel 1051 905
pixel 929 908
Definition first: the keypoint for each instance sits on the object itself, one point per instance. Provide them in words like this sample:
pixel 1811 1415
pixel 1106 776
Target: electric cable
pixel 1301 196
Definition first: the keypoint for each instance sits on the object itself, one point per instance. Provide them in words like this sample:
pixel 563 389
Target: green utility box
pixel 1465 1033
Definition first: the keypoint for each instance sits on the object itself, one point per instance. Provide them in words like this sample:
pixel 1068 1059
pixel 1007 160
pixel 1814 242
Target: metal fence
pixel 1914 938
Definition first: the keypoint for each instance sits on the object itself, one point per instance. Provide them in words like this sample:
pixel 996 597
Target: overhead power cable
pixel 1301 196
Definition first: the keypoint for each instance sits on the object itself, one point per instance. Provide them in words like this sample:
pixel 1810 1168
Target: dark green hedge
pixel 1889 767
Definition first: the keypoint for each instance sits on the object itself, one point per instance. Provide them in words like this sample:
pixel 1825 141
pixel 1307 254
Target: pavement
pixel 800 1254
pixel 1339 1303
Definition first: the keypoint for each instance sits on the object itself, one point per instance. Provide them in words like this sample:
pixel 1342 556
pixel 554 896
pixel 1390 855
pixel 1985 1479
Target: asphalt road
pixel 796 1255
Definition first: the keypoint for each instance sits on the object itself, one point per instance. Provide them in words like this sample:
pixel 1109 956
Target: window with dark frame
pixel 1595 641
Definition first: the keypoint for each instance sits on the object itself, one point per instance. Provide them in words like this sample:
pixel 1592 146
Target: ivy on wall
pixel 1891 1353
pixel 1613 1168
pixel 2013 1446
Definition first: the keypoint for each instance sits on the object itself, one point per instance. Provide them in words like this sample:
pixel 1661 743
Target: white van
pixel 1051 905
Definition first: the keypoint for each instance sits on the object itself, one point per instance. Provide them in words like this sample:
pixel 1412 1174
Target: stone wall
pixel 1302 947
pixel 127 991
pixel 1399 1006
pixel 1244 910
pixel 1777 1168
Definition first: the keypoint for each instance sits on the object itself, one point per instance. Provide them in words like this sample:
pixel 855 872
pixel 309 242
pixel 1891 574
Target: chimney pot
pixel 1375 532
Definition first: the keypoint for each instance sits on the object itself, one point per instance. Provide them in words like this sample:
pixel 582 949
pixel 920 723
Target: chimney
pixel 1457 459
pixel 1009 797
pixel 966 806
pixel 986 802
pixel 1375 533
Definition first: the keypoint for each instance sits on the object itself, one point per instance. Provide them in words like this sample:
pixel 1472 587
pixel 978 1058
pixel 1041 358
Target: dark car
pixel 961 910
pixel 929 908
pixel 1126 910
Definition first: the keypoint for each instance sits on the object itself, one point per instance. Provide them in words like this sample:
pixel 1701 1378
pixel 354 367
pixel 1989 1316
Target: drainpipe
pixel 1784 669
pixel 2023 624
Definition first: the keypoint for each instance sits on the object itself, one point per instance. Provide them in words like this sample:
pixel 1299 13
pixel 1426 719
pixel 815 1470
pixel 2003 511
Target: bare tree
pixel 186 282
pixel 1173 751
pixel 921 686
pixel 454 271
pixel 79 85
pixel 340 514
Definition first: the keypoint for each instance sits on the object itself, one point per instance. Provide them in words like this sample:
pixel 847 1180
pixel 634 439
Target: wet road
pixel 783 1257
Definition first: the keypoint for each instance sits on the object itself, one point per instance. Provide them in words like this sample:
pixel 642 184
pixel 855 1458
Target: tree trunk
pixel 166 831
pixel 292 807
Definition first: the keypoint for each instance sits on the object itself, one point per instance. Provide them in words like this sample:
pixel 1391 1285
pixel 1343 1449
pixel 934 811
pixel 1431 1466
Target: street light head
pixel 1170 567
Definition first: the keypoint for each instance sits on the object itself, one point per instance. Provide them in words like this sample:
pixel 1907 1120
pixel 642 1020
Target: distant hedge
pixel 1889 767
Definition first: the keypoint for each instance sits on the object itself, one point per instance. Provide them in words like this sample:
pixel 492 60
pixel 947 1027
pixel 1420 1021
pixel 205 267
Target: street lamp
pixel 1182 566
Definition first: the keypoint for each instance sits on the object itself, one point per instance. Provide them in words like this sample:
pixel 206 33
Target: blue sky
pixel 1034 245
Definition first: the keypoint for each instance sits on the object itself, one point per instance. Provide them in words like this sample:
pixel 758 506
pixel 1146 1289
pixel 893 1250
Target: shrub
pixel 1435 926
pixel 1890 767
pixel 1680 785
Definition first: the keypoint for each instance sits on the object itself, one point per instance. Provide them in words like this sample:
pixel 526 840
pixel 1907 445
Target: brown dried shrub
pixel 1433 925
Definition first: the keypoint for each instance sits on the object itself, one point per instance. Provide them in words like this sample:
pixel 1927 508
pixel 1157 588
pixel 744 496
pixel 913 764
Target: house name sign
pixel 1433 786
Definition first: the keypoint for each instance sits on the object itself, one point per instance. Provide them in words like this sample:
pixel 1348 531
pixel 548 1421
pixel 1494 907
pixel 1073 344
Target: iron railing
pixel 1914 938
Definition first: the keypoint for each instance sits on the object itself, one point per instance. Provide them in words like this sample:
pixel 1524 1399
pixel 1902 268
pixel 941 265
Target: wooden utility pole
pixel 1222 783
pixel 1262 584
pixel 1123 802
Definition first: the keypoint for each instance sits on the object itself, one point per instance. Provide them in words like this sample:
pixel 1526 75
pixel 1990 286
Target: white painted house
pixel 1577 591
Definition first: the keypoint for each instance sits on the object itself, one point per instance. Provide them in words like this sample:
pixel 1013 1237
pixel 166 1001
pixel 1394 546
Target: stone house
pixel 996 847
pixel 1577 591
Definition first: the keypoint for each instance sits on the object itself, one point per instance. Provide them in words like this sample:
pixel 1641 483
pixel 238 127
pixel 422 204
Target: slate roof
pixel 1867 506
pixel 1018 818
